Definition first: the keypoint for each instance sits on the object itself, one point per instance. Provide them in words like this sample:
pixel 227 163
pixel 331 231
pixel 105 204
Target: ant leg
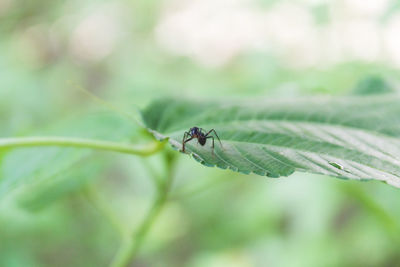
pixel 183 140
pixel 185 135
pixel 212 151
pixel 212 130
pixel 183 144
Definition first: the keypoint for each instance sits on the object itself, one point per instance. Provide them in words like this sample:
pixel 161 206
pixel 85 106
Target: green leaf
pixel 351 137
pixel 373 85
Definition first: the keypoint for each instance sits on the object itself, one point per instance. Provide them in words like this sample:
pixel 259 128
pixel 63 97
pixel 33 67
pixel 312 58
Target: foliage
pixel 69 197
pixel 351 137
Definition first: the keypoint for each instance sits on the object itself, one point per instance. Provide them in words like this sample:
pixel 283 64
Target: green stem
pixel 81 143
pixel 130 247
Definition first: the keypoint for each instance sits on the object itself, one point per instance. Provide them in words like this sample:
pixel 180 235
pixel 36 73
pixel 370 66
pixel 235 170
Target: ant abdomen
pixel 202 140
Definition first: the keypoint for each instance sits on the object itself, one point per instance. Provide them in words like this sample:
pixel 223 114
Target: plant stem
pixel 146 150
pixel 130 247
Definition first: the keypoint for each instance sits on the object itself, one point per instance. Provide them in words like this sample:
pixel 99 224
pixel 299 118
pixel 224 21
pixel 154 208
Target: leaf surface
pixel 349 137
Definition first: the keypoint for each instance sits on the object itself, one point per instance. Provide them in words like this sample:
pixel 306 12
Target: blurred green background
pixel 131 52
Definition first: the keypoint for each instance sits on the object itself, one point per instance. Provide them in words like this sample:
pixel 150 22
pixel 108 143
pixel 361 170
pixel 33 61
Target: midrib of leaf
pixel 277 134
pixel 284 140
pixel 206 123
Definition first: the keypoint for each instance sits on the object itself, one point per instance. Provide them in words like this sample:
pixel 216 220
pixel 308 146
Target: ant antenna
pixel 108 105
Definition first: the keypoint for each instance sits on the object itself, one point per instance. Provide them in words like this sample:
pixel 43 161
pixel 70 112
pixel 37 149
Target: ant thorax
pixel 201 136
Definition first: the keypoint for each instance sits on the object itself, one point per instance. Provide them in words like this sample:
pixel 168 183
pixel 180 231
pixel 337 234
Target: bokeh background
pixel 131 52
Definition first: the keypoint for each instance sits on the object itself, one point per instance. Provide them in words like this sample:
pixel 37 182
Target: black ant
pixel 201 136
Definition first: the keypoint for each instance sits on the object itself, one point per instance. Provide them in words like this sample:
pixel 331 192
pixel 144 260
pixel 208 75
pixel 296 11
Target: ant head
pixel 194 131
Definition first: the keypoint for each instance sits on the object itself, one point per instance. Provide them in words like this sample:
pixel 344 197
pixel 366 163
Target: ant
pixel 201 136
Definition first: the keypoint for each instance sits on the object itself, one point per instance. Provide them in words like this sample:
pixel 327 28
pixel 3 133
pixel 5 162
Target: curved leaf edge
pixel 177 147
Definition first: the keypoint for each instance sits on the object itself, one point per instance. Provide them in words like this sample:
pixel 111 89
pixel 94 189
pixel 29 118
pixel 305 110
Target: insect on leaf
pixel 350 137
